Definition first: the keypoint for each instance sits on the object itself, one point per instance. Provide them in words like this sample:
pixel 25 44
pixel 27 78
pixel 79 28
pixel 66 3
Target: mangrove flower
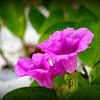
pixel 38 67
pixel 65 45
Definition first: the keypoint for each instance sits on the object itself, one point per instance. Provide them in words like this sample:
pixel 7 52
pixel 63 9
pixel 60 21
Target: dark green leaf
pixel 13 17
pixel 81 81
pixel 95 81
pixel 34 83
pixel 53 4
pixel 55 16
pixel 84 12
pixel 59 80
pixel 33 3
pixel 77 15
pixel 86 93
pixel 95 72
pixel 30 93
pixel 93 5
pixel 72 13
pixel 60 26
pixel 46 3
pixel 36 19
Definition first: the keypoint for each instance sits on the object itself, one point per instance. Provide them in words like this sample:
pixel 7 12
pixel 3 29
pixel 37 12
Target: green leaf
pixel 13 17
pixel 91 55
pixel 33 3
pixel 93 5
pixel 55 4
pixel 85 12
pixel 81 81
pixel 44 37
pixel 59 80
pixel 95 81
pixel 95 72
pixel 46 3
pixel 60 26
pixel 36 19
pixel 72 13
pixel 31 93
pixel 86 93
pixel 56 27
pixel 34 83
pixel 55 16
pixel 77 15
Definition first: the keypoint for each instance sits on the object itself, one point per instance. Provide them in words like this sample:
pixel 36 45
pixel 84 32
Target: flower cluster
pixel 62 47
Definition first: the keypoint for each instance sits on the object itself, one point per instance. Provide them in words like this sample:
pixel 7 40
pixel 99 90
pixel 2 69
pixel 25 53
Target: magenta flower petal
pixel 37 58
pixel 44 78
pixel 68 41
pixel 71 39
pixel 65 45
pixel 53 45
pixel 70 64
pixel 19 71
pixel 23 65
pixel 58 68
pixel 56 36
pixel 38 67
pixel 67 62
pixel 82 44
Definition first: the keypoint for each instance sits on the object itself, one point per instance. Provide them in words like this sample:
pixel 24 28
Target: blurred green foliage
pixel 95 72
pixel 13 16
pixel 86 93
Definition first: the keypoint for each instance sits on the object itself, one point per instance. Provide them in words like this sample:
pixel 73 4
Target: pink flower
pixel 65 45
pixel 38 67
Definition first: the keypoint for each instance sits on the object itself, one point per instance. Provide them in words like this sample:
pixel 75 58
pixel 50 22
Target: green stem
pixel 74 77
pixel 25 47
pixel 67 79
pixel 61 93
